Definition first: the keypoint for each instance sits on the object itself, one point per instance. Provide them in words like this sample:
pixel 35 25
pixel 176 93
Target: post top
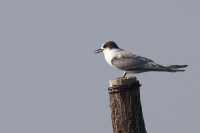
pixel 122 81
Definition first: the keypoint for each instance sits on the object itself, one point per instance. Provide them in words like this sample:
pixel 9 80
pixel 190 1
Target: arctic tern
pixel 131 63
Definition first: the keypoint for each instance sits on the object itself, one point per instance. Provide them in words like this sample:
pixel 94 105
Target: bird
pixel 131 63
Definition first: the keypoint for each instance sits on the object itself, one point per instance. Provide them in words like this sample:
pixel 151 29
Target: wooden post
pixel 125 106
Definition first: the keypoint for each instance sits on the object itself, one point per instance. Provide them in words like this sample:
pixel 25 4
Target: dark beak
pixel 98 51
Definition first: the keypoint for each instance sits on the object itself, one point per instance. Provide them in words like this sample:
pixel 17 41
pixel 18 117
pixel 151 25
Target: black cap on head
pixel 110 45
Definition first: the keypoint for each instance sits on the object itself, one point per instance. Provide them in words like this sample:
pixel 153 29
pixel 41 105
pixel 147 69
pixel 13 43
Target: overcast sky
pixel 51 82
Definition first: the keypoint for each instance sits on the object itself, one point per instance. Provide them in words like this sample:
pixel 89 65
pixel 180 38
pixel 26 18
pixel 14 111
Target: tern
pixel 131 63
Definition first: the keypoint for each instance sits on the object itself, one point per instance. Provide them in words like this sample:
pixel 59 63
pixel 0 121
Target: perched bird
pixel 131 63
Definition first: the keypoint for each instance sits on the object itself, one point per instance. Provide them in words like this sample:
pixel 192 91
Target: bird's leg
pixel 124 74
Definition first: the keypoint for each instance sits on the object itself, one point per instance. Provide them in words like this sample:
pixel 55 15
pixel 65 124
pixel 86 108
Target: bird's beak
pixel 98 51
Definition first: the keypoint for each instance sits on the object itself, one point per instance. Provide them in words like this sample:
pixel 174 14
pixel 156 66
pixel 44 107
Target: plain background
pixel 51 82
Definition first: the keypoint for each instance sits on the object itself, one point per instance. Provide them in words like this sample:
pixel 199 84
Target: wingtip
pixel 185 65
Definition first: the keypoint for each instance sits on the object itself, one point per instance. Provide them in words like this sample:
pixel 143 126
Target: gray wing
pixel 131 62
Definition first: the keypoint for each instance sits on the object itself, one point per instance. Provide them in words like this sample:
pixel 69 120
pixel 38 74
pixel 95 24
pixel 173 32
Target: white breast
pixel 109 54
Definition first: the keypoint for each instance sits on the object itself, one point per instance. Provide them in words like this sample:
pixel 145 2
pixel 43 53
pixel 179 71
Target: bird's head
pixel 107 46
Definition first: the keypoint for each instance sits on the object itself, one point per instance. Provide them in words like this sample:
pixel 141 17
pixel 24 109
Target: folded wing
pixel 131 62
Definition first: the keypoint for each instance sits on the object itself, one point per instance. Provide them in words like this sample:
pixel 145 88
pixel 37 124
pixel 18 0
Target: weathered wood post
pixel 125 106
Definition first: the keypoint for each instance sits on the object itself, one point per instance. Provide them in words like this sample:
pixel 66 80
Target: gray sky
pixel 51 82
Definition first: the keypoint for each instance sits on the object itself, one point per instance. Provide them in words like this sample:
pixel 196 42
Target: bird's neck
pixel 109 54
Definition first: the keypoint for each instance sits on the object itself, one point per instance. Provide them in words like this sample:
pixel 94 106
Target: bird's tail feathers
pixel 159 68
pixel 174 68
pixel 165 68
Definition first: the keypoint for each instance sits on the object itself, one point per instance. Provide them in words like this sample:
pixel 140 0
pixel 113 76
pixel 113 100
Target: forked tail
pixel 175 68
pixel 159 68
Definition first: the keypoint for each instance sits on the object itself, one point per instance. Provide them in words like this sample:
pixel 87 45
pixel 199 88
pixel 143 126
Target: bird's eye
pixel 104 46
